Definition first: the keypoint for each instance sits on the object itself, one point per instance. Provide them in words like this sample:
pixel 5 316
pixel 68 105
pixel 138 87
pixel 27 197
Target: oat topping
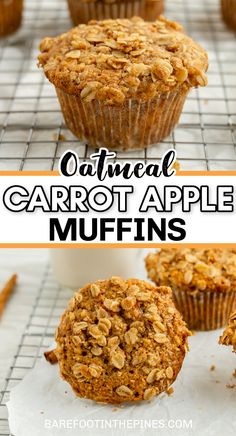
pixel 122 343
pixel 113 60
pixel 193 270
pixel 229 335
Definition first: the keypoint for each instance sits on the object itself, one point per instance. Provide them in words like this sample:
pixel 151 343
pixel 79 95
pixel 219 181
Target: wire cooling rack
pixel 50 302
pixel 32 131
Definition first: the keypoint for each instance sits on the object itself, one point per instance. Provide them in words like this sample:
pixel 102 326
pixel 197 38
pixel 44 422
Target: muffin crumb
pixel 230 386
pixel 229 334
pixel 170 391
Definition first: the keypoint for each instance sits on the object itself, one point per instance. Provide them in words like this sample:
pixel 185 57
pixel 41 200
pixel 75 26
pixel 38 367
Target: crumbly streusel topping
pixel 112 60
pixel 121 340
pixel 229 335
pixel 193 269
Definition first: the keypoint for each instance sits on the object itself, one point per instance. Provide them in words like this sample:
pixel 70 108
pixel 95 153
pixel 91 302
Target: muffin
pixel 229 335
pixel 10 16
pixel 203 283
pixel 121 340
pixel 228 9
pixel 122 83
pixel 82 11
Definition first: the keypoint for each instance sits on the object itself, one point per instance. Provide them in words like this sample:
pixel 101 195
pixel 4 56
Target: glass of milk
pixel 74 267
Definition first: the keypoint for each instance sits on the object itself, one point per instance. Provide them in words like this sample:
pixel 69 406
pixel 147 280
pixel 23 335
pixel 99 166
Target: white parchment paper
pixel 44 405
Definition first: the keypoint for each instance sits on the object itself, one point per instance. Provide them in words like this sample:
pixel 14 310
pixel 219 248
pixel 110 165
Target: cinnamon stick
pixel 6 293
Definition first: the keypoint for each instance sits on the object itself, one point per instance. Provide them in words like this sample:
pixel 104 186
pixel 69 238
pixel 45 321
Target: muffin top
pixel 229 335
pixel 193 270
pixel 121 340
pixel 112 60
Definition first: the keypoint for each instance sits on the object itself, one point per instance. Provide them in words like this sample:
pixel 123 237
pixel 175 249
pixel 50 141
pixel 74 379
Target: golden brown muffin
pixel 228 9
pixel 82 11
pixel 203 283
pixel 229 335
pixel 121 340
pixel 123 83
pixel 10 16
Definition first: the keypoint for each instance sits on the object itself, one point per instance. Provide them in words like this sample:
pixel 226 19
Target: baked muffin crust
pixel 121 340
pixel 113 60
pixel 193 270
pixel 229 335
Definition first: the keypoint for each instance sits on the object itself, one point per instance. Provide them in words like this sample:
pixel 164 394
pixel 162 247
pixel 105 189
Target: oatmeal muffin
pixel 10 16
pixel 203 283
pixel 229 335
pixel 122 83
pixel 82 11
pixel 228 9
pixel 121 340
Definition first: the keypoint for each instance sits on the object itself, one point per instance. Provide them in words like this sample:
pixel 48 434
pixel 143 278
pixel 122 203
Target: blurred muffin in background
pixel 82 11
pixel 203 283
pixel 10 16
pixel 228 9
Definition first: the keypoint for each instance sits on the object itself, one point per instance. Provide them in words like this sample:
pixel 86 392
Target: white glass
pixel 74 267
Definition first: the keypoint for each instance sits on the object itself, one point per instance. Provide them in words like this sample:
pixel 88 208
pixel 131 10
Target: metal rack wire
pixel 49 303
pixel 32 131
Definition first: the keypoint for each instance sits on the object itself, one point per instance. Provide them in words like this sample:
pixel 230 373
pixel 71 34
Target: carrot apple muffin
pixel 228 9
pixel 82 11
pixel 229 335
pixel 203 283
pixel 10 16
pixel 121 340
pixel 122 83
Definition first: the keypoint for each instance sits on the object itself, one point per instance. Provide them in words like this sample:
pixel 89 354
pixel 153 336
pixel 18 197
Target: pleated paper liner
pixel 152 9
pixel 10 16
pixel 228 8
pixel 205 310
pixel 83 11
pixel 134 125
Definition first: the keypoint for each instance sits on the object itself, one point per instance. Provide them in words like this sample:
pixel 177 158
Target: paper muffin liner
pixel 83 11
pixel 134 125
pixel 206 310
pixel 228 8
pixel 152 9
pixel 10 16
